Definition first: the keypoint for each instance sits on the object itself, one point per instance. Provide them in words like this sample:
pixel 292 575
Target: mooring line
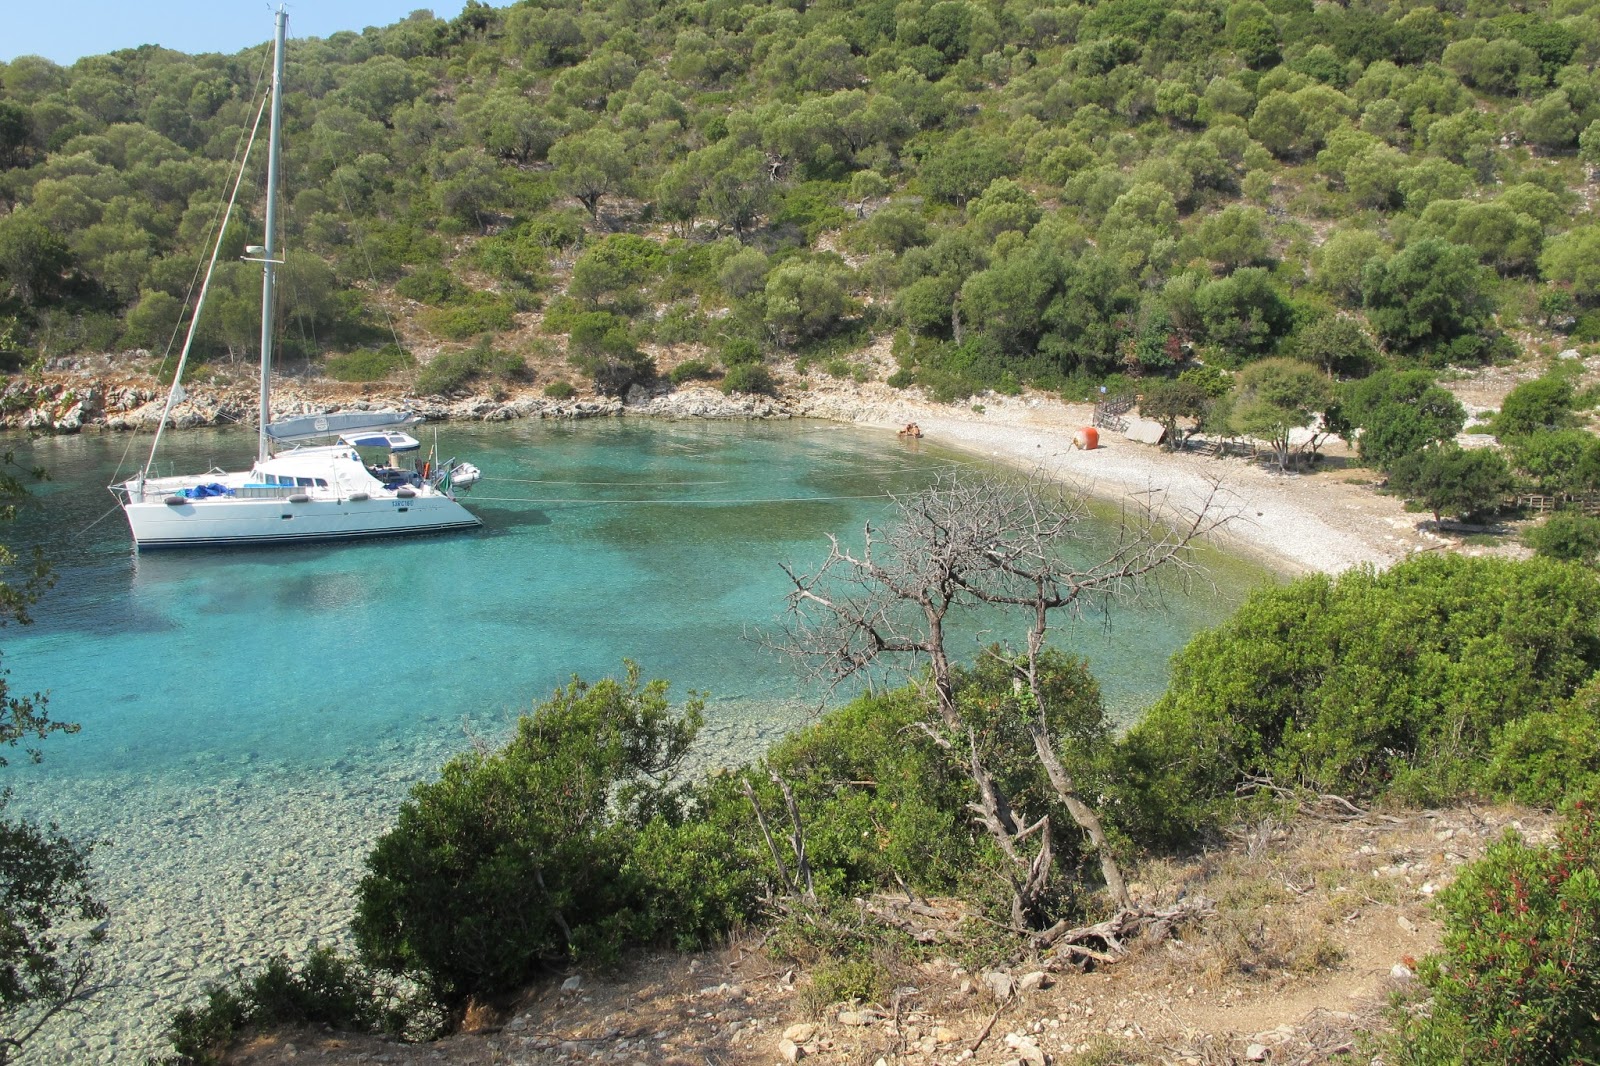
pixel 675 503
pixel 114 509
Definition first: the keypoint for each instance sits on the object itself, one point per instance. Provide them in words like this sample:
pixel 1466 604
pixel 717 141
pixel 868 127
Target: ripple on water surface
pixel 251 719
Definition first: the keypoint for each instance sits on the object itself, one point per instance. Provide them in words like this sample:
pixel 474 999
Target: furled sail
pixel 310 427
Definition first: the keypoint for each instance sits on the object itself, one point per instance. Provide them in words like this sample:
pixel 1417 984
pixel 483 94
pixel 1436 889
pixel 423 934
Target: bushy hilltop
pixel 1032 192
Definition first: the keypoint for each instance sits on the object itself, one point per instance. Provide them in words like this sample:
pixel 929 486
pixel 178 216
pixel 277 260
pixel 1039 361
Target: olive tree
pixel 994 543
pixel 1275 397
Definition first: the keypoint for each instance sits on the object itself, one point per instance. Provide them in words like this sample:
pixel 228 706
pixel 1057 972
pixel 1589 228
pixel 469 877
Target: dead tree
pixel 1001 542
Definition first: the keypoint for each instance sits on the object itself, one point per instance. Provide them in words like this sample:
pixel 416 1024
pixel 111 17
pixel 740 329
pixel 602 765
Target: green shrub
pixel 368 364
pixel 517 860
pixel 327 989
pixel 737 350
pixel 1541 404
pixel 848 980
pixel 885 805
pixel 1448 479
pixel 431 284
pixel 694 370
pixel 750 377
pixel 1567 535
pixel 448 372
pixel 484 314
pixel 560 390
pixel 1365 685
pixel 1517 980
pixel 1548 755
pixel 902 379
pixel 680 325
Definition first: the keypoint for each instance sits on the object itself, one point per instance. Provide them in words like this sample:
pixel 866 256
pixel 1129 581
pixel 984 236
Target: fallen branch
pixel 1104 942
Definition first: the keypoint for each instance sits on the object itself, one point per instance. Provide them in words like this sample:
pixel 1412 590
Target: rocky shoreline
pixel 64 406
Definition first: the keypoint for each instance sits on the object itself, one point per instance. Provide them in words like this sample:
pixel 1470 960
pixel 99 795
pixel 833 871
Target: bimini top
pixel 393 440
pixel 310 427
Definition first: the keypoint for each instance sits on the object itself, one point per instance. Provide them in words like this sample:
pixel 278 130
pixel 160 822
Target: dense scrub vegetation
pixel 1444 679
pixel 1032 191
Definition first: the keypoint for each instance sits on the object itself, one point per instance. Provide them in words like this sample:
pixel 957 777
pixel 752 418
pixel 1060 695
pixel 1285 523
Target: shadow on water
pixel 500 520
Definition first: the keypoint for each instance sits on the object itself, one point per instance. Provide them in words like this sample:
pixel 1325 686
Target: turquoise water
pixel 252 718
pixel 655 541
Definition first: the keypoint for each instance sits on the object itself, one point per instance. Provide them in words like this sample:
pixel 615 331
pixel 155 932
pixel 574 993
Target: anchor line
pixel 97 521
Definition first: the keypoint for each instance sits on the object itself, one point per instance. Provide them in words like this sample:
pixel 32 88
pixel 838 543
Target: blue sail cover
pixel 337 423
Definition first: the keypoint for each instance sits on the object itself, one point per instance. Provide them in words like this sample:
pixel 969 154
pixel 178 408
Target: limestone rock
pixel 1001 984
pixel 1032 982
pixel 800 1033
pixel 789 1051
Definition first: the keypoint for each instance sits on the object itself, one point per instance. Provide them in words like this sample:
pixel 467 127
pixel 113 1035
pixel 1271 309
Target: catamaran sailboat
pixel 294 491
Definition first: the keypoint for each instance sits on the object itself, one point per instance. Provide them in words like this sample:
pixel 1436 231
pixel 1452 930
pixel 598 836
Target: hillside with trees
pixel 1023 193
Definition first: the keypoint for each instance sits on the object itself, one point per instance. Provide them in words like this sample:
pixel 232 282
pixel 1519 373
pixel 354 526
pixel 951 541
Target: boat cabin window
pixel 303 482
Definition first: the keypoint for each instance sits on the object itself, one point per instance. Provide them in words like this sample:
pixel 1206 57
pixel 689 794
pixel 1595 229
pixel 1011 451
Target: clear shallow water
pixel 657 541
pixel 252 719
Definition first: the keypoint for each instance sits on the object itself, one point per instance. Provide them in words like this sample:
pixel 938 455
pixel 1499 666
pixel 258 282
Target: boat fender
pixel 300 497
pixel 177 501
pixel 359 497
pixel 405 494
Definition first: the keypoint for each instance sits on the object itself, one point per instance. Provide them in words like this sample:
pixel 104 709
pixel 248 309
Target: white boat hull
pixel 228 521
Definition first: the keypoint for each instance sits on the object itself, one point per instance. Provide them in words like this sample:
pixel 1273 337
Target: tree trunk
pixel 1082 813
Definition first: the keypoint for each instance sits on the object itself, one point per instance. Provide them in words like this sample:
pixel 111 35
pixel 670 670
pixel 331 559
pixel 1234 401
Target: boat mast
pixel 269 243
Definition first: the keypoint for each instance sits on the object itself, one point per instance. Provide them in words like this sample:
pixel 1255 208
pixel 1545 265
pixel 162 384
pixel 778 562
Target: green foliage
pixel 1541 404
pixel 1400 412
pixel 1450 480
pixel 430 284
pixel 616 271
pixel 1429 299
pixel 519 859
pixel 326 989
pixel 480 313
pixel 751 378
pixel 1570 536
pixel 806 299
pixel 1056 185
pixel 1516 978
pixel 1547 756
pixel 601 345
pixel 1169 402
pixel 368 364
pixel 450 371
pixel 1275 397
pixel 1560 461
pixel 1365 685
pixel 847 980
pixel 694 370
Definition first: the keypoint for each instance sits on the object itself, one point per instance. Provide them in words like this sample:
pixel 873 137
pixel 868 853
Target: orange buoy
pixel 1087 438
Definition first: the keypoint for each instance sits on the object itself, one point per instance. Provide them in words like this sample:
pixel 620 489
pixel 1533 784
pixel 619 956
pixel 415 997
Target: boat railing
pixel 266 492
